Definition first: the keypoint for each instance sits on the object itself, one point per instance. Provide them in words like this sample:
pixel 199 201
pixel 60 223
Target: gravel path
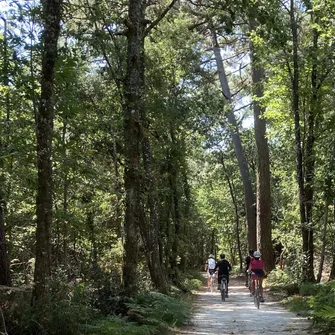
pixel 238 315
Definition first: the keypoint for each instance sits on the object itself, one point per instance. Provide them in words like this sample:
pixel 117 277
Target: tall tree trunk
pixel 324 239
pixel 332 269
pixel 44 129
pixel 264 228
pixel 133 105
pixel 175 209
pixel 308 234
pixel 306 273
pixel 4 257
pixel 139 182
pixel 237 221
pixel 156 269
pixel 249 196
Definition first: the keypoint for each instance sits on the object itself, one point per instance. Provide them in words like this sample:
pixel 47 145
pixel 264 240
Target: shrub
pixel 323 305
pixel 307 289
pixel 158 309
pixel 193 284
pixel 120 326
pixel 66 313
pixel 299 305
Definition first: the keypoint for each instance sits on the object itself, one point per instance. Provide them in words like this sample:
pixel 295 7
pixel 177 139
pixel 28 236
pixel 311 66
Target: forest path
pixel 238 315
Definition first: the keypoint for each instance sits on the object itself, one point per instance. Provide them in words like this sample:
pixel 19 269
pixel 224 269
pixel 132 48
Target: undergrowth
pixel 80 309
pixel 306 299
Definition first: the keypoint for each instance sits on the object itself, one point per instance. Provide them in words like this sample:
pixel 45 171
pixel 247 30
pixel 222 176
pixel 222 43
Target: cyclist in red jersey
pixel 256 268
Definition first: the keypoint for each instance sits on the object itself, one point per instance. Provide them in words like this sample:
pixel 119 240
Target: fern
pixel 120 326
pixel 158 309
pixel 326 313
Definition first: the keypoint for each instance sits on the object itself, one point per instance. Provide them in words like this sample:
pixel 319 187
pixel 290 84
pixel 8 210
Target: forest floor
pixel 238 314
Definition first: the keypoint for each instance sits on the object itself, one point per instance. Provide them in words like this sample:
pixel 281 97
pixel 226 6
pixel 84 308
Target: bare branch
pixel 245 106
pixel 160 17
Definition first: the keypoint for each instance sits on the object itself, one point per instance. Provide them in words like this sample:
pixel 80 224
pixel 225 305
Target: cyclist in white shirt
pixel 209 267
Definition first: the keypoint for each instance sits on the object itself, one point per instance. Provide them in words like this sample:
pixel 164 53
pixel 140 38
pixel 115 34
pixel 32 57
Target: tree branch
pixel 154 23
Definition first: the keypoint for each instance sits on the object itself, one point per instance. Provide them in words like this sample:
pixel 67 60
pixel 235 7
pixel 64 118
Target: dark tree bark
pixel 324 239
pixel 264 228
pixel 249 196
pixel 307 234
pixel 332 269
pixel 237 221
pixel 175 209
pixel 4 257
pixel 139 182
pixel 133 105
pixel 44 129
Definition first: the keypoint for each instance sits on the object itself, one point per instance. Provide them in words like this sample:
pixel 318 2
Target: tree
pixel 4 257
pixel 264 229
pixel 44 130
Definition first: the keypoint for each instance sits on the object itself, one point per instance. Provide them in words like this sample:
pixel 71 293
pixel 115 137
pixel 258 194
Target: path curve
pixel 238 315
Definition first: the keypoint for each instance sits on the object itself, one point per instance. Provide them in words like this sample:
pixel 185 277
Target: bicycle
pixel 257 296
pixel 224 288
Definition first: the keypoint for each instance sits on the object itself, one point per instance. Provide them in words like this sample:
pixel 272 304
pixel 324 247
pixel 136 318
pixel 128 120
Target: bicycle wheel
pixel 223 290
pixel 212 284
pixel 257 297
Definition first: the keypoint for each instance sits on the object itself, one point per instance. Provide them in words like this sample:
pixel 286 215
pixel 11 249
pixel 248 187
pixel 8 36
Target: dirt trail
pixel 238 315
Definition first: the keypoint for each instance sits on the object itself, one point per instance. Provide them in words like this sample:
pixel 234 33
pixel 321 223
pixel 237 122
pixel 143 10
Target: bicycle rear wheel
pixel 212 284
pixel 223 290
pixel 257 297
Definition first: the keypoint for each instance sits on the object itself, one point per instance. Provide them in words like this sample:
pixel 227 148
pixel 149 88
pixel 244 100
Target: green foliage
pixel 158 309
pixel 309 289
pixel 323 304
pixel 120 326
pixel 299 305
pixel 317 300
pixel 66 312
pixel 192 280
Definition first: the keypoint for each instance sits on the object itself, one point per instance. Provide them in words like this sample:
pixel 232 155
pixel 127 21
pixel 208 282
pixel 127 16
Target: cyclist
pixel 247 264
pixel 209 267
pixel 224 267
pixel 256 268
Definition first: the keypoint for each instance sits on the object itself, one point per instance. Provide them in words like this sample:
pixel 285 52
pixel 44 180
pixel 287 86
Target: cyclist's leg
pixel 261 288
pixel 219 282
pixel 253 285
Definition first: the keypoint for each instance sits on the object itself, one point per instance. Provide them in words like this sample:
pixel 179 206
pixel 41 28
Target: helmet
pixel 257 254
pixel 211 256
pixel 222 256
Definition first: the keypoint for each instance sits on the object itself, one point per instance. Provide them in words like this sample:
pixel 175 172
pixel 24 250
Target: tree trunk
pixel 44 129
pixel 133 105
pixel 307 268
pixel 4 257
pixel 308 236
pixel 264 228
pixel 332 271
pixel 237 225
pixel 324 241
pixel 249 197
pixel 139 183
pixel 151 241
